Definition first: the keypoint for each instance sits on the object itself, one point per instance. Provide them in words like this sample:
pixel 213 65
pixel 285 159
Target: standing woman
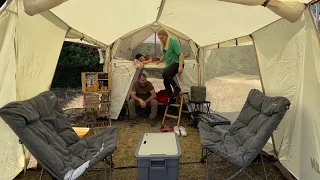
pixel 173 56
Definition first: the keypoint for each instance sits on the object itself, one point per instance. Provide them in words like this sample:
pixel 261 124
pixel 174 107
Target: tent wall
pixel 289 57
pixel 11 154
pixel 38 52
pixel 28 58
pixel 122 75
pixel 189 76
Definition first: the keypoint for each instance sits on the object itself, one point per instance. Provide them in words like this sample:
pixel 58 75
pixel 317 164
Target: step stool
pixel 178 104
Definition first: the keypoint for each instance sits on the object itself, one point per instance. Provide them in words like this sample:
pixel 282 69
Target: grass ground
pixel 190 167
pixel 227 93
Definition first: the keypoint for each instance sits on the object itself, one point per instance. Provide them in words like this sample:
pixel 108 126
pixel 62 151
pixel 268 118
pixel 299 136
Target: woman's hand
pixel 180 69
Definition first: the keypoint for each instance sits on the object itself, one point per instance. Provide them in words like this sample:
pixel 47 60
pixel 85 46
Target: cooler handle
pixel 158 164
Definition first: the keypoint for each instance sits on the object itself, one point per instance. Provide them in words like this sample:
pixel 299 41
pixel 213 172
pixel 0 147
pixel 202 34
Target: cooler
pixel 158 156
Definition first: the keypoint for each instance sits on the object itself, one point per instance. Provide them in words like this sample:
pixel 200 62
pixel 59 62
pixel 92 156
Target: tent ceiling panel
pixel 107 20
pixel 208 22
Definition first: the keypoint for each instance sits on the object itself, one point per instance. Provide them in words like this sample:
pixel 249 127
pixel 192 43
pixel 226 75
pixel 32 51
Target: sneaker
pixel 176 130
pixel 183 131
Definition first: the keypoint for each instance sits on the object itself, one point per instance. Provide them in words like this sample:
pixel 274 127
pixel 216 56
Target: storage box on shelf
pixel 96 88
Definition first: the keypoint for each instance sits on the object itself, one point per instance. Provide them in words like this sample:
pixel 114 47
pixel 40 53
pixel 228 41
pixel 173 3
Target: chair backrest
pixel 258 118
pixel 43 128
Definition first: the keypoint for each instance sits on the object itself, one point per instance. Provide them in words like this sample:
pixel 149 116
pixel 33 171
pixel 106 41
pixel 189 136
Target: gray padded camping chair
pixel 241 142
pixel 45 130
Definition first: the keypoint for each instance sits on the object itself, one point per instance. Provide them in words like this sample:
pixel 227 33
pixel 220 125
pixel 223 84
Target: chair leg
pixel 264 169
pixel 110 167
pixel 105 169
pixel 204 154
pixel 240 171
pixel 41 173
pixel 209 165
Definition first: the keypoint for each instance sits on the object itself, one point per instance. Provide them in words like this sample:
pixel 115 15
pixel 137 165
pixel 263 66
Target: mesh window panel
pixel 230 73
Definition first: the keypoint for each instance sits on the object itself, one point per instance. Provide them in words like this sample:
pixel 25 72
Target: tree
pixel 74 59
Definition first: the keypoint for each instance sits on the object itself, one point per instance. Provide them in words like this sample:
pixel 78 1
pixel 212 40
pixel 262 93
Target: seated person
pixel 142 59
pixel 143 95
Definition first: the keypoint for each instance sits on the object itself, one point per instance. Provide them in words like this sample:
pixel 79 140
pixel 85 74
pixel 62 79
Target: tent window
pixel 230 73
pixel 150 46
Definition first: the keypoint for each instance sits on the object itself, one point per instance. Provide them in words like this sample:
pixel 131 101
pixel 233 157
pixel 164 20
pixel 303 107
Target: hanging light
pixel 33 7
pixel 290 11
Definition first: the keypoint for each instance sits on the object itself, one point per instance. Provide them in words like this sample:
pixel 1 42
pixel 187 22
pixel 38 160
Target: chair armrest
pixel 214 119
pixel 213 124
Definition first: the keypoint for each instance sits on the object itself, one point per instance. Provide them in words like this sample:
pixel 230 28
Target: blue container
pixel 158 156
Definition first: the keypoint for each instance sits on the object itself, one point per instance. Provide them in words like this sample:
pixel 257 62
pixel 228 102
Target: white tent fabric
pixel 289 57
pixel 36 65
pixel 35 7
pixel 27 68
pixel 122 75
pixel 288 54
pixel 95 17
pixel 290 11
pixel 11 154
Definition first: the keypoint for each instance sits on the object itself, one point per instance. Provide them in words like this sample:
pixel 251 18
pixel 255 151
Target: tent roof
pixel 205 21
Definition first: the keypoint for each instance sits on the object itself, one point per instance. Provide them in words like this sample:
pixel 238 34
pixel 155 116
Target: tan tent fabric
pixel 189 76
pixel 11 155
pixel 95 17
pixel 122 75
pixel 33 7
pixel 288 55
pixel 38 51
pixel 214 21
pixel 290 11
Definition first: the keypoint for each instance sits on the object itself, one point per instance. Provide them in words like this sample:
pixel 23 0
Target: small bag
pixel 162 97
pixel 198 93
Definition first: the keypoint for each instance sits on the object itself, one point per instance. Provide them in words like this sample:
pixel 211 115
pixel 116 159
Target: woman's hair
pixel 162 32
pixel 138 56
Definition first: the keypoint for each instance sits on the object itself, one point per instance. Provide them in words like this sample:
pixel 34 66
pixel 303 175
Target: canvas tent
pixel 288 55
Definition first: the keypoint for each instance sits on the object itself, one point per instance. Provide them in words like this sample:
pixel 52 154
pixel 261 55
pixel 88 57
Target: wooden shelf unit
pixel 96 89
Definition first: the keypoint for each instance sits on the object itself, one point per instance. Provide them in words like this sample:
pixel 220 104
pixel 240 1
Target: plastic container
pixel 158 156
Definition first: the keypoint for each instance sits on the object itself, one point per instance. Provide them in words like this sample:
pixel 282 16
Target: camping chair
pixel 44 129
pixel 242 141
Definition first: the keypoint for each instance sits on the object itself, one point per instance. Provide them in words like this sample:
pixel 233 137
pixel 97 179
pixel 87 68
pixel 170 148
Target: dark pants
pixel 168 75
pixel 133 104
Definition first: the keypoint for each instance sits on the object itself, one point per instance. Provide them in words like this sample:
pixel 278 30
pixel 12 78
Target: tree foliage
pixel 74 59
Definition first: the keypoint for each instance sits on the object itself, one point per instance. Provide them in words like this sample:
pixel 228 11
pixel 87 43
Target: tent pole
pixel 160 9
pixel 155 44
pixel 263 90
pixel 255 50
